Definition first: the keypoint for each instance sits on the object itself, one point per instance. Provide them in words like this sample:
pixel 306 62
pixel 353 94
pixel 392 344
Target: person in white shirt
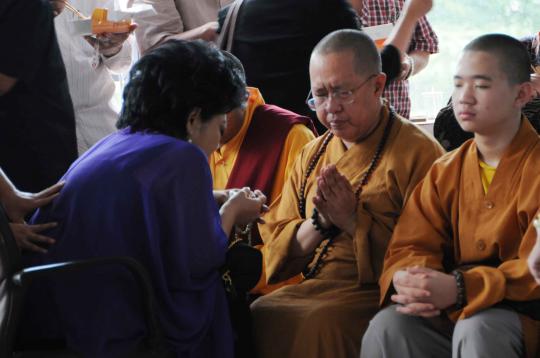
pixel 178 19
pixel 90 74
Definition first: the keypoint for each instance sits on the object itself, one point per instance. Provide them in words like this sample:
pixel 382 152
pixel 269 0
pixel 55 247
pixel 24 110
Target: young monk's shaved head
pixel 511 54
pixel 366 56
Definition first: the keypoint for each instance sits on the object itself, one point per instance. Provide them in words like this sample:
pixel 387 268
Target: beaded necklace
pixel 365 178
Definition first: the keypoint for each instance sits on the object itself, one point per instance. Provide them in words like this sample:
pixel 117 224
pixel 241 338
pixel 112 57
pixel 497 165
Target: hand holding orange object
pixel 101 23
pixel 109 43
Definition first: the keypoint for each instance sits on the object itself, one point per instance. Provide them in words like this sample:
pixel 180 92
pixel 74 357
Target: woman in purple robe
pixel 146 192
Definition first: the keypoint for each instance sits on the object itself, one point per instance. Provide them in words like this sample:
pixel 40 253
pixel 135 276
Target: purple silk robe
pixel 147 196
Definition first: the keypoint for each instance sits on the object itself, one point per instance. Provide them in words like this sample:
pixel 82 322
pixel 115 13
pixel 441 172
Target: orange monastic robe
pixel 326 316
pixel 450 222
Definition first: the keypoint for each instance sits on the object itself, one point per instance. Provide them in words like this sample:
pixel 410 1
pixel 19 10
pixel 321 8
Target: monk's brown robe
pixel 327 315
pixel 449 222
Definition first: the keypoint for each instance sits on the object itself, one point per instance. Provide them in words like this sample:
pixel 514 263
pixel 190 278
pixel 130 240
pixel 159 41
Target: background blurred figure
pixel 37 124
pixel 90 73
pixel 178 19
pixel 423 43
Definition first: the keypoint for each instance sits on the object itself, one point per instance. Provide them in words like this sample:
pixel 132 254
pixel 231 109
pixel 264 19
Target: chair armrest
pixel 24 277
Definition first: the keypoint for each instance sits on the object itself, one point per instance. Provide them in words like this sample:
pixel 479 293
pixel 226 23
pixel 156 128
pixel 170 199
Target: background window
pixel 456 22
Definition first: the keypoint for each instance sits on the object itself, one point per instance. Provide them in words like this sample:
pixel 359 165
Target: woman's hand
pixel 28 237
pixel 247 205
pixel 18 203
pixel 243 207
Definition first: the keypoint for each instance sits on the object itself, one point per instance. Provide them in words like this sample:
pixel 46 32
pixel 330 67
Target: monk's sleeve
pixel 298 137
pixel 486 286
pixel 279 231
pixel 421 234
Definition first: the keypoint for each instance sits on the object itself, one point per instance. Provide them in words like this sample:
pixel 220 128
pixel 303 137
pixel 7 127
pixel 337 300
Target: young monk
pixel 460 248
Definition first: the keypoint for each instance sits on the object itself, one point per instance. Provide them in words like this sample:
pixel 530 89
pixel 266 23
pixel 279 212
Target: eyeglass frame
pixel 311 103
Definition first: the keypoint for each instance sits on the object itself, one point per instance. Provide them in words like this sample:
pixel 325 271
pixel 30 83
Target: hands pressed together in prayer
pixel 335 200
pixel 423 291
pixel 17 205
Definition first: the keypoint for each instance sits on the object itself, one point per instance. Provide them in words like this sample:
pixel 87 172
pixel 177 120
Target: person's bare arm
pixel 401 35
pixel 402 32
pixel 206 32
pixel 357 6
pixel 420 60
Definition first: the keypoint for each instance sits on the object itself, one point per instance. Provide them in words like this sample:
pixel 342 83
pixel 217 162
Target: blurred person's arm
pixel 18 204
pixel 167 23
pixel 402 34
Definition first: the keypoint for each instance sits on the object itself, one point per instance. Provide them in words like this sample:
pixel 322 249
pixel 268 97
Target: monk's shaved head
pixel 366 56
pixel 235 64
pixel 512 56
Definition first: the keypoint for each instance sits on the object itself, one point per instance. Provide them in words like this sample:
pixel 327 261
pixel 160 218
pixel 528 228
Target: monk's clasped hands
pixel 423 291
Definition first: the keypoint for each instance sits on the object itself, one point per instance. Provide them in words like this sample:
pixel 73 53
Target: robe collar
pixel 511 161
pixel 359 156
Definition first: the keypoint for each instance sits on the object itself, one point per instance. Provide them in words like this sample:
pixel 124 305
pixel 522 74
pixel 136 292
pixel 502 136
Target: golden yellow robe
pixel 222 163
pixel 327 315
pixel 450 222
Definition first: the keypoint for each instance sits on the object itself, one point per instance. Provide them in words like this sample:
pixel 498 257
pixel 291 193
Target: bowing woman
pixel 146 192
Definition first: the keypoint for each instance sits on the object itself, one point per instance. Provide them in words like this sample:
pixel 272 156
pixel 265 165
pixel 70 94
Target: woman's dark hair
pixel 172 80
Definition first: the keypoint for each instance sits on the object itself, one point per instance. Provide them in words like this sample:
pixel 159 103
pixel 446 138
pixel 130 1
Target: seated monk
pixel 257 150
pixel 338 208
pixel 457 263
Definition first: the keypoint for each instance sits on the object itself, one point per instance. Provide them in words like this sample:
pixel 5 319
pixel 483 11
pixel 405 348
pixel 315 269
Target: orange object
pixel 100 23
pixel 380 43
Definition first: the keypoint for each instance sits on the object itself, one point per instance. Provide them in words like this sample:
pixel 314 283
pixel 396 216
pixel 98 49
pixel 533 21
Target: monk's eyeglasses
pixel 344 97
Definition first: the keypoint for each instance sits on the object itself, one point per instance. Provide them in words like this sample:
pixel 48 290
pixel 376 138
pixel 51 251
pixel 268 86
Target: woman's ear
pixel 194 123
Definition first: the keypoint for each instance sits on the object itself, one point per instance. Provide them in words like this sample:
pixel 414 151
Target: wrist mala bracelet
pixel 460 283
pixel 325 232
